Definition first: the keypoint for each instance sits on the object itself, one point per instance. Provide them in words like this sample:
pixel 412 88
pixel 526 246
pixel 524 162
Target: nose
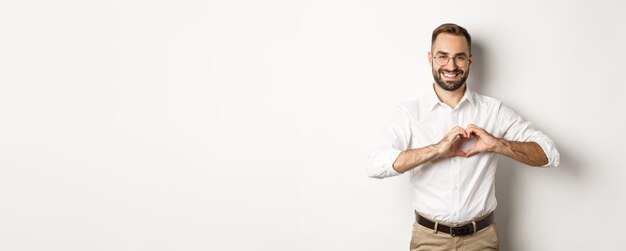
pixel 451 64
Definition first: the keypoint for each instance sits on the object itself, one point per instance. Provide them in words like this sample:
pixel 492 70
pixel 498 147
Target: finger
pixel 458 131
pixel 474 127
pixel 470 131
pixel 470 152
pixel 476 131
pixel 475 150
pixel 460 153
pixel 452 136
pixel 462 131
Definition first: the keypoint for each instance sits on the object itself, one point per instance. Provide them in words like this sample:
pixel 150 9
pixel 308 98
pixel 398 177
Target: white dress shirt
pixel 456 189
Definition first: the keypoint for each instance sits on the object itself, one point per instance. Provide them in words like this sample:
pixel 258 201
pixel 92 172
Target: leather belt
pixel 467 229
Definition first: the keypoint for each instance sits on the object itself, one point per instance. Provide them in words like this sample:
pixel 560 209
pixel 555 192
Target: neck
pixel 450 98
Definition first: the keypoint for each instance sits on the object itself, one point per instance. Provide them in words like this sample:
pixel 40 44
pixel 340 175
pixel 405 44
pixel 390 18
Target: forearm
pixel 411 158
pixel 529 153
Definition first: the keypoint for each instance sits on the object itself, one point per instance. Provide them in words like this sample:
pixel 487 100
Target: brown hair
pixel 453 29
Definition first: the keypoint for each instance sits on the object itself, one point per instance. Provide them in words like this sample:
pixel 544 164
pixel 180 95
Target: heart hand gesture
pixel 485 142
pixel 449 146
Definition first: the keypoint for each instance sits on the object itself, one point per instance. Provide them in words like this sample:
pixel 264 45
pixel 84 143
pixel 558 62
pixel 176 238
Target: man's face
pixel 453 74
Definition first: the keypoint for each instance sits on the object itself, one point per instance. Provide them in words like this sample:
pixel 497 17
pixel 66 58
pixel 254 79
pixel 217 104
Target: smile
pixel 451 75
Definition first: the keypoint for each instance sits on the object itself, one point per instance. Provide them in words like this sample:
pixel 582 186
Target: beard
pixel 450 85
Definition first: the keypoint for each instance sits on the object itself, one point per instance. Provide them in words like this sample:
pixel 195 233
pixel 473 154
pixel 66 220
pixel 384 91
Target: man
pixel 427 139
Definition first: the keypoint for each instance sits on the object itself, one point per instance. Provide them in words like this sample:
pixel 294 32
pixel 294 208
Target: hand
pixel 449 146
pixel 485 142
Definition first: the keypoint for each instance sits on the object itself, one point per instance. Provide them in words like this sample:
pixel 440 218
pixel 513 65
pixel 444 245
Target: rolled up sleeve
pixel 517 129
pixel 394 139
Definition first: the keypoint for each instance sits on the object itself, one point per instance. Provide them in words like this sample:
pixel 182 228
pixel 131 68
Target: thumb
pixel 460 153
pixel 471 152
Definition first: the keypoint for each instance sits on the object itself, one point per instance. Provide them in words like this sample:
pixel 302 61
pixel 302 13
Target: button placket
pixel 456 174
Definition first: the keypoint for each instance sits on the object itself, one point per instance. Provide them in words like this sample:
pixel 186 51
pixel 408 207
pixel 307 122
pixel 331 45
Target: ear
pixel 430 58
pixel 471 58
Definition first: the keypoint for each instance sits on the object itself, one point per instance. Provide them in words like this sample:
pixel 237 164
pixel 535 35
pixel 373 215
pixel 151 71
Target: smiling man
pixel 455 186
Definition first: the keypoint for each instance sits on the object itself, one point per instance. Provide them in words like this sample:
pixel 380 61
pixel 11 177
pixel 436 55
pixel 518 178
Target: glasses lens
pixel 442 60
pixel 460 61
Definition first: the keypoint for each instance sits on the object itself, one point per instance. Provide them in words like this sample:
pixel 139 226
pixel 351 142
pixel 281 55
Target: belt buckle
pixel 459 229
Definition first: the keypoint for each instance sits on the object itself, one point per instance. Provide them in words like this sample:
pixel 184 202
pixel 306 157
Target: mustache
pixel 457 71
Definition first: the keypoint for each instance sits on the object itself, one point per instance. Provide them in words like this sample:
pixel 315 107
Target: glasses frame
pixel 455 59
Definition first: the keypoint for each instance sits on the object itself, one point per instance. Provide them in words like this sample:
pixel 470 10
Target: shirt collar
pixel 432 100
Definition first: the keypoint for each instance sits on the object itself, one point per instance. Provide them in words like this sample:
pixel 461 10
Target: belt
pixel 467 229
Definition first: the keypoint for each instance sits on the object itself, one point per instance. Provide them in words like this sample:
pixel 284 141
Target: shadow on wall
pixel 508 184
pixel 478 74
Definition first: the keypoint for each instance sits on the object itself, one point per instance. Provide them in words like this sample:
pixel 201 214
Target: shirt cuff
pixel 393 155
pixel 550 150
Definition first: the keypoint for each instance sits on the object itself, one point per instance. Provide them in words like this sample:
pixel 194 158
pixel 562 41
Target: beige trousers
pixel 426 239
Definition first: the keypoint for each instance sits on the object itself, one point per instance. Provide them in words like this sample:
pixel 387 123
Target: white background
pixel 245 125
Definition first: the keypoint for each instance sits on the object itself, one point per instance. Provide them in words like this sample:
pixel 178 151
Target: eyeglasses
pixel 460 60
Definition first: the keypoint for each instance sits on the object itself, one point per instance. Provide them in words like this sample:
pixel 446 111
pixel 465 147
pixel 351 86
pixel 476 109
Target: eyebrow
pixel 446 53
